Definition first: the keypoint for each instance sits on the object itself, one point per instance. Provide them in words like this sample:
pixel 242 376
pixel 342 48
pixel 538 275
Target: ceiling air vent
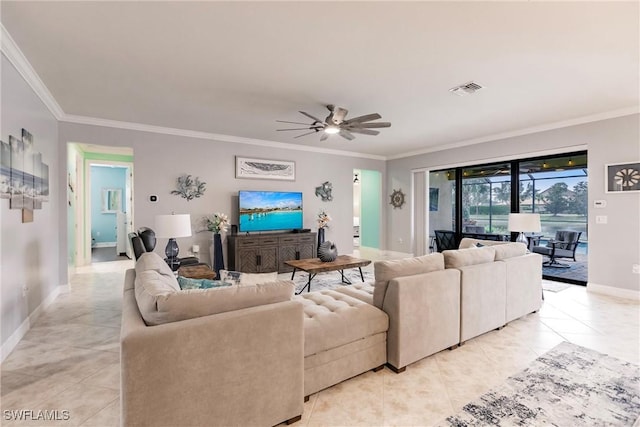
pixel 466 89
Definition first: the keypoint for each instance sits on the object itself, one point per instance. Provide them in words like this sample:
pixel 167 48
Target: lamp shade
pixel 524 222
pixel 172 226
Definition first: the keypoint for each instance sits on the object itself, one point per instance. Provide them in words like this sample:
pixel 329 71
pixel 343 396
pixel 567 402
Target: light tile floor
pixel 69 360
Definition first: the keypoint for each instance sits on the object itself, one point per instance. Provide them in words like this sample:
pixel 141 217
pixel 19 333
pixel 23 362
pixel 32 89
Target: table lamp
pixel 171 227
pixel 524 222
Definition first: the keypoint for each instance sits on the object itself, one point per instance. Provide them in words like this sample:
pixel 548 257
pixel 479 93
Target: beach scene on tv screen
pixel 270 210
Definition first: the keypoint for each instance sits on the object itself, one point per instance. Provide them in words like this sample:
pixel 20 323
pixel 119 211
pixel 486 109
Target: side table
pixel 200 271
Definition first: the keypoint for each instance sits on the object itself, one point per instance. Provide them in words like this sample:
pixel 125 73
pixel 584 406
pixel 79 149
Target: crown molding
pixel 13 53
pixel 83 120
pixel 535 129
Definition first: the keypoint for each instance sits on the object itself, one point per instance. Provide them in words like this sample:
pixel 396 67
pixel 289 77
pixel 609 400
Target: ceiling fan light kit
pixel 336 123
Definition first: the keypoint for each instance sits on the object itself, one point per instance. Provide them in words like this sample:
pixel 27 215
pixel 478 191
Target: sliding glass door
pixel 486 199
pixel 475 201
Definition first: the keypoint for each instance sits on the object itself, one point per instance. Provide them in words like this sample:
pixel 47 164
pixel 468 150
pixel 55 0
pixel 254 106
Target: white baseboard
pixel 613 291
pixel 24 327
pixel 104 245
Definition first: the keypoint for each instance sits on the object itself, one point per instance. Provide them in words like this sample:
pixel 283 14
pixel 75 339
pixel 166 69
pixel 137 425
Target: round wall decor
pixel 397 198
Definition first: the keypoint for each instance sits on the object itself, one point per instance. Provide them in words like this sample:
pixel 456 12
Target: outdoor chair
pixel 563 246
pixel 445 240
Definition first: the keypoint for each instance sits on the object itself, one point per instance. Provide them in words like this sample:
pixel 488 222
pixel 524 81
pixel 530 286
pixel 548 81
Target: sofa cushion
pixel 152 261
pixel 158 305
pixel 333 319
pixel 391 269
pixel 504 250
pixel 247 279
pixel 362 291
pixel 462 257
pixel 149 285
pixel 468 242
pixel 510 250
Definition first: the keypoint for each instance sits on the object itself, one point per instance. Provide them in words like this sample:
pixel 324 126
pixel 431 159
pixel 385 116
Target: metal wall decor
pixel 397 198
pixel 324 191
pixel 24 178
pixel 189 188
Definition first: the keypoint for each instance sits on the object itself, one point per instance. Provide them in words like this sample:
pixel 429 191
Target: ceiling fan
pixel 336 123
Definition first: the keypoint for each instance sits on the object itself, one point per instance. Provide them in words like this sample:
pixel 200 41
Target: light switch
pixel 601 219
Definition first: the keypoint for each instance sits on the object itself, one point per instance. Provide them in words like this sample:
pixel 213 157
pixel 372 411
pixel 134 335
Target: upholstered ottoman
pixel 343 337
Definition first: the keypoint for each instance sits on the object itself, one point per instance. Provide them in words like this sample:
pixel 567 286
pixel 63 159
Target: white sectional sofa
pixel 250 355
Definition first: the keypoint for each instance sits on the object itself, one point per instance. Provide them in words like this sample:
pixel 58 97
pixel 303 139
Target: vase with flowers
pixel 323 222
pixel 217 223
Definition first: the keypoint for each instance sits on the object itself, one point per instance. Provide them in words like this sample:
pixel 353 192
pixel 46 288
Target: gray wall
pixel 613 247
pixel 29 252
pixel 159 159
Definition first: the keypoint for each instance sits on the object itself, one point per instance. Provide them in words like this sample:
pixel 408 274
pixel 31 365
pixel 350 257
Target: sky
pixel 269 199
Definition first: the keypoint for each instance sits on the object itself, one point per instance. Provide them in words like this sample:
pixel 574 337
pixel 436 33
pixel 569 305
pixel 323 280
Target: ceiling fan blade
pixel 307 128
pixel 305 134
pixel 295 123
pixel 346 134
pixel 367 125
pixel 363 131
pixel 365 118
pixel 324 136
pixel 311 117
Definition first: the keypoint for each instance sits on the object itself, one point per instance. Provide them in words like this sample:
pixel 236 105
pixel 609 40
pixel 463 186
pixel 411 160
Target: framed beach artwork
pixel 24 177
pixel 622 177
pixel 247 167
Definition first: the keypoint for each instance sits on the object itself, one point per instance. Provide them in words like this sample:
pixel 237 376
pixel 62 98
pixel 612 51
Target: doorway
pixel 109 211
pixel 367 193
pixel 100 211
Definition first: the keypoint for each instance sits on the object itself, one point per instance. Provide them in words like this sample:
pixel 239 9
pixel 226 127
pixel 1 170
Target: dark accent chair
pixel 563 246
pixel 144 240
pixel 445 240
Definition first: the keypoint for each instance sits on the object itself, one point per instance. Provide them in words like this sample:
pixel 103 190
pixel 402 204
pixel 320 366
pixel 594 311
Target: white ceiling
pixel 234 68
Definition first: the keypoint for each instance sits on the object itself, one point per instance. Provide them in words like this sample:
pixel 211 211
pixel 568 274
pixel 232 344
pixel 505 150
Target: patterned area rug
pixel 329 280
pixel 568 386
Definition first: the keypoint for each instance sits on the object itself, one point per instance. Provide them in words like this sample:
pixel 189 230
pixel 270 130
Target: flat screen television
pixel 269 210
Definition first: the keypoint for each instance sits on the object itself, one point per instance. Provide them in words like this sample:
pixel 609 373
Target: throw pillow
pixel 189 283
pixel 247 279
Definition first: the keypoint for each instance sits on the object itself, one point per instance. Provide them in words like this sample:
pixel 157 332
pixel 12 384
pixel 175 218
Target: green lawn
pixel 550 224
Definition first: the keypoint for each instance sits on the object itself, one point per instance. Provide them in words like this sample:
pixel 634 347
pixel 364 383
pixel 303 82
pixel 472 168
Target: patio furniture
pixel 475 229
pixel 445 239
pixel 563 246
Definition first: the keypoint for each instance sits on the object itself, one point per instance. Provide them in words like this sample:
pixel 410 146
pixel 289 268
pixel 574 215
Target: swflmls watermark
pixel 36 415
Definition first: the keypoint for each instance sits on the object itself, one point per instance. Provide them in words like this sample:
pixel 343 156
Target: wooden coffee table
pixel 313 266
